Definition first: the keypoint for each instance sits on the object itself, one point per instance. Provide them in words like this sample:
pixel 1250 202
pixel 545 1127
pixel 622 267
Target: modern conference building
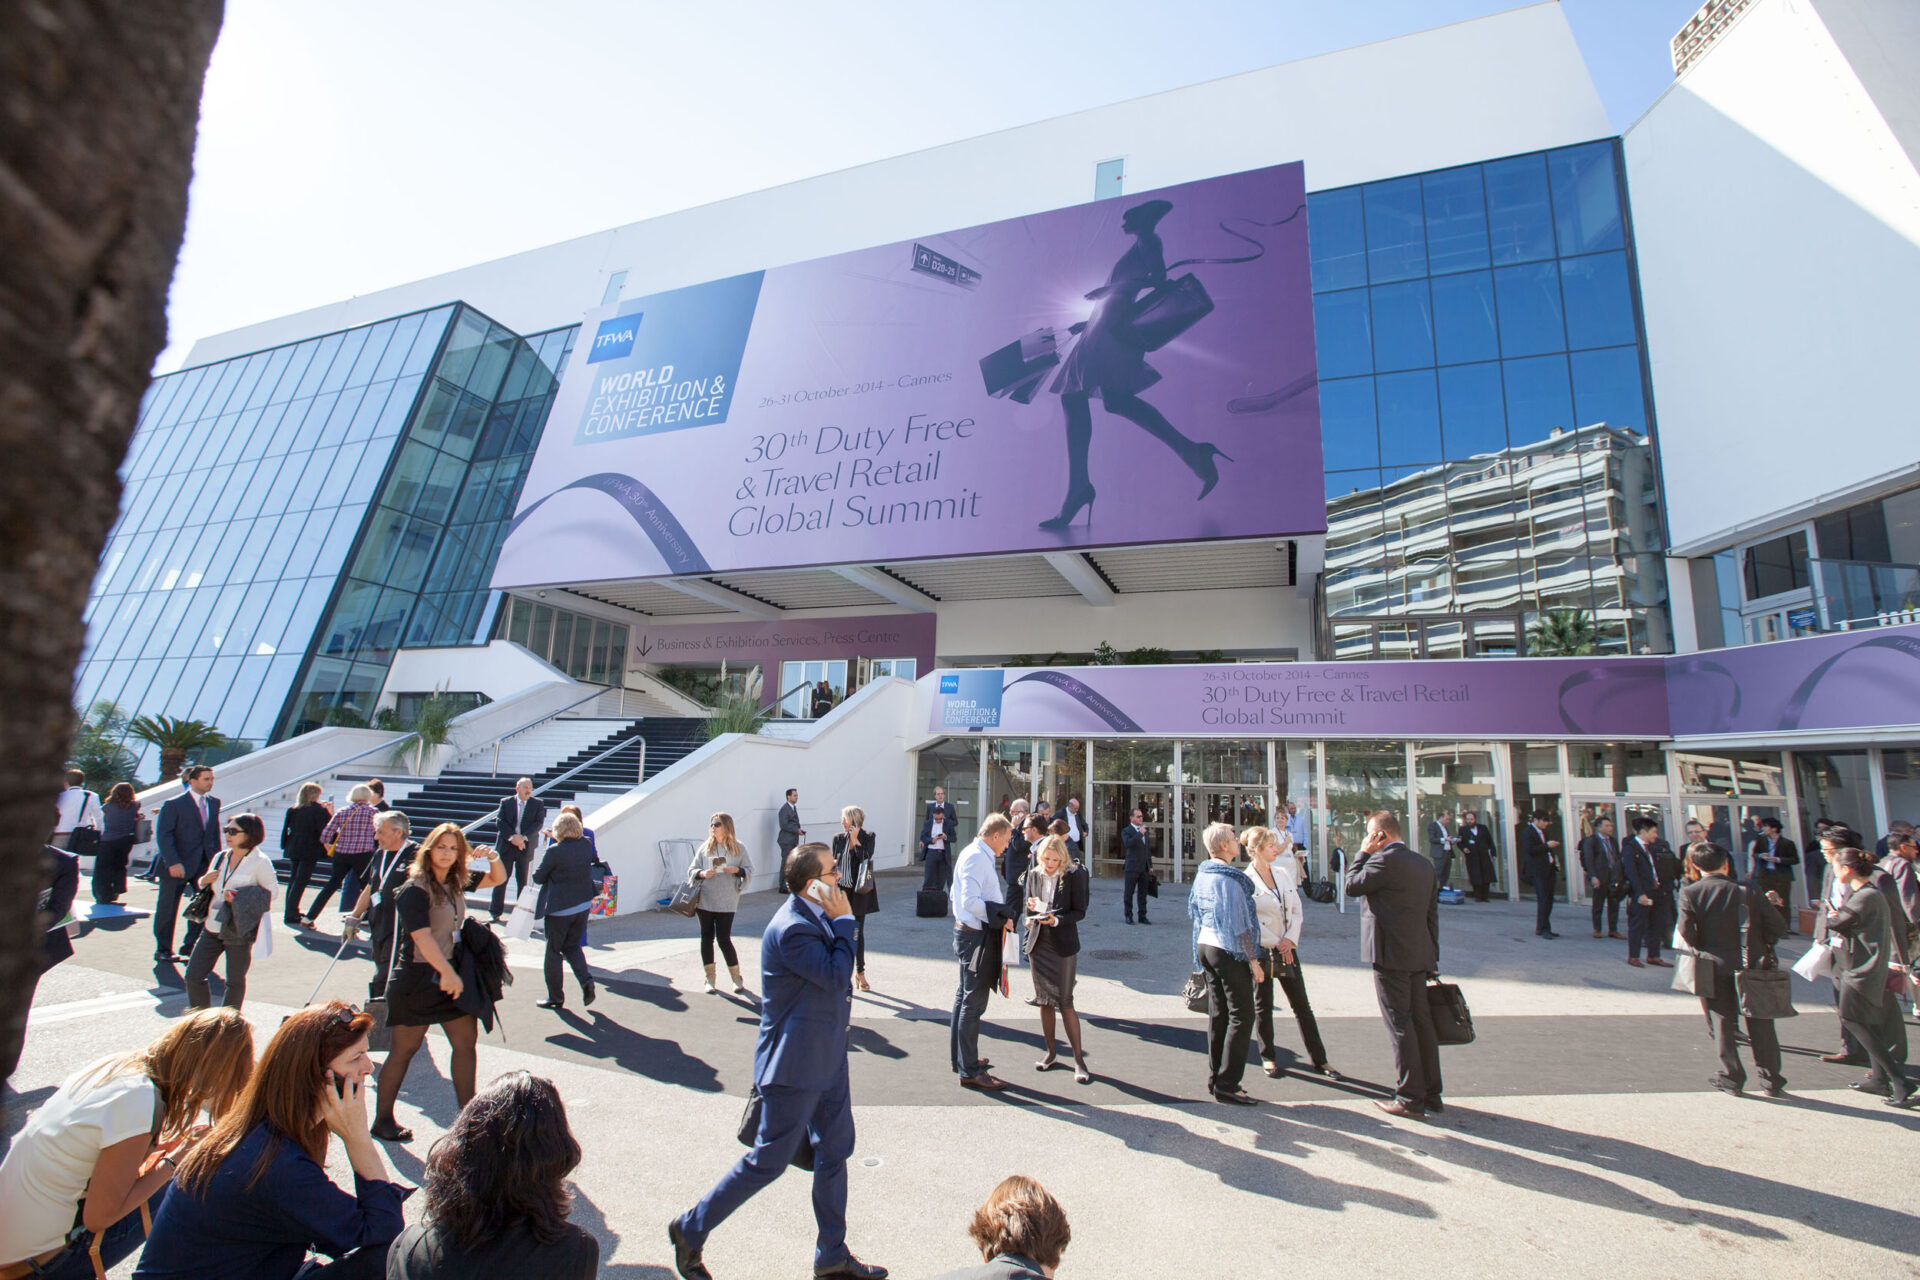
pixel 1657 382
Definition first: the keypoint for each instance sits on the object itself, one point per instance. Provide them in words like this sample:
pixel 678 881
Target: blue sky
pixel 359 144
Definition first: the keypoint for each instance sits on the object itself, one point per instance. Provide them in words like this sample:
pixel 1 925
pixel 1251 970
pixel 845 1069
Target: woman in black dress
pixel 300 844
pixel 423 984
pixel 1107 362
pixel 118 819
pixel 852 851
pixel 1056 894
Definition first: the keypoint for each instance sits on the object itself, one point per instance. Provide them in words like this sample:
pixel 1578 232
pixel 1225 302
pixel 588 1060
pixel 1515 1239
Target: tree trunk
pixel 99 103
pixel 172 761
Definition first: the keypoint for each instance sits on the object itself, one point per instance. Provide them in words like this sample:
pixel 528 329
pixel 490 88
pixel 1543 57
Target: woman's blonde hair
pixel 309 792
pixel 200 1063
pixel 454 886
pixel 1258 838
pixel 727 841
pixel 1054 844
pixel 567 826
pixel 855 814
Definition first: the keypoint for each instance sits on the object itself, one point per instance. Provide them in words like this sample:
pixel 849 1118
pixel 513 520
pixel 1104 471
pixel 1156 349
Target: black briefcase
pixel 1452 1020
pixel 930 903
pixel 1153 885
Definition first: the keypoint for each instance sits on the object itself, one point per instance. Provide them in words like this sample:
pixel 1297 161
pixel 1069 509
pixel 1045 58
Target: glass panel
pixel 1063 770
pixel 562 651
pixel 1336 239
pixel 1402 326
pixel 1901 779
pixel 518 623
pixel 1409 419
pixel 1343 340
pixel 1464 319
pixel 1834 785
pixel 1606 388
pixel 1363 777
pixel 1113 806
pixel 1133 760
pixel 953 763
pixel 1519 215
pixel 580 657
pixel 597 663
pixel 540 630
pixel 1472 411
pixel 1538 399
pixel 1586 198
pixel 1599 305
pixel 1536 787
pixel 1348 438
pixel 1396 230
pixel 1010 772
pixel 1529 302
pixel 1456 786
pixel 1456 220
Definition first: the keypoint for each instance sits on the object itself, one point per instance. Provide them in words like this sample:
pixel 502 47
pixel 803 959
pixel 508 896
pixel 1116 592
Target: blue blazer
pixel 183 842
pixel 565 875
pixel 806 1000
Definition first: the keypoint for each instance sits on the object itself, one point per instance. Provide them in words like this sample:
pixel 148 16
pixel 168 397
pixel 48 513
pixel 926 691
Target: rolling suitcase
pixel 930 903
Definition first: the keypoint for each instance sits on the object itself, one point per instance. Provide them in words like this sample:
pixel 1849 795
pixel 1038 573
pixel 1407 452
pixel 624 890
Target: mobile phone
pixel 337 1082
pixel 818 891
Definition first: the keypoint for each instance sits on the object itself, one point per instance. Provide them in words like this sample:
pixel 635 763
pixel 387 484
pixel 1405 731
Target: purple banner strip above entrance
pixel 1859 680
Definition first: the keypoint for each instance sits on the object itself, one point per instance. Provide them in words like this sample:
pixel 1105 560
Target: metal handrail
pixel 523 728
pixel 233 806
pixel 584 764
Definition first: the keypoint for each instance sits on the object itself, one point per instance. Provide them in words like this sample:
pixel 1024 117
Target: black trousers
pixel 207 948
pixel 566 940
pixel 1607 898
pixel 1135 890
pixel 717 926
pixel 110 869
pixel 1479 874
pixel 1666 914
pixel 1229 1017
pixel 1723 1011
pixel 1416 1051
pixel 1884 1042
pixel 859 944
pixel 297 881
pixel 166 911
pixel 519 862
pixel 349 871
pixel 939 874
pixel 1640 930
pixel 1294 987
pixel 1542 880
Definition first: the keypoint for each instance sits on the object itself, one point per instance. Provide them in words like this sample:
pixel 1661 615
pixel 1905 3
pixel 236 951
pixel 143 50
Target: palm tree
pixel 175 738
pixel 1563 633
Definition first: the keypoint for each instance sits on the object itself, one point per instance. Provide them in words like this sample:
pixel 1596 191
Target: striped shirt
pixel 351 830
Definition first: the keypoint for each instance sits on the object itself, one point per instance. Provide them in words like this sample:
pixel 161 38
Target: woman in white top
pixel 1277 902
pixel 239 926
pixel 111 1134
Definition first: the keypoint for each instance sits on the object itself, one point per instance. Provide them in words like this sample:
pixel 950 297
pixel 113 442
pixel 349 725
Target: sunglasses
pixel 715 825
pixel 232 831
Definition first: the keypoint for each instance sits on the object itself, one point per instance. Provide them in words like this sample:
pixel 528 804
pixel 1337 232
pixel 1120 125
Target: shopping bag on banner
pixel 607 901
pixel 520 923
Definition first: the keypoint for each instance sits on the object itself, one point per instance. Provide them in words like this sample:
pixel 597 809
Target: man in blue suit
pixel 800 1070
pixel 187 833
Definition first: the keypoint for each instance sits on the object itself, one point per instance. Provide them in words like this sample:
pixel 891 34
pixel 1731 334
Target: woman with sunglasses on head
pixel 253 1197
pixel 852 851
pixel 423 984
pixel 239 917
pixel 95 1158
pixel 722 867
pixel 496 1193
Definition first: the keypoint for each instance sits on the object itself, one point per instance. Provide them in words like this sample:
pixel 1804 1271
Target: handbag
pixel 802 1157
pixel 863 883
pixel 83 842
pixel 199 905
pixel 1452 1020
pixel 1195 993
pixel 1166 312
pixel 686 898
pixel 1765 993
pixel 1153 885
pixel 143 831
pixel 1014 372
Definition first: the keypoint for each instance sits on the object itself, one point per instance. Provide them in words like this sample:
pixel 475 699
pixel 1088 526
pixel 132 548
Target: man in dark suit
pixel 1539 858
pixel 1712 911
pixel 1138 865
pixel 1670 872
pixel 1606 878
pixel 1896 830
pixel 937 833
pixel 1643 892
pixel 791 832
pixel 1475 841
pixel 1440 849
pixel 56 900
pixel 799 1069
pixel 1773 857
pixel 1400 937
pixel 187 836
pixel 521 818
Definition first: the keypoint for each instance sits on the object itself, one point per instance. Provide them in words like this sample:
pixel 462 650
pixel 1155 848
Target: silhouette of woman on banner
pixel 1108 362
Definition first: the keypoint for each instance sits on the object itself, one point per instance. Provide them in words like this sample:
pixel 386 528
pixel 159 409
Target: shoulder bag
pixel 1765 990
pixel 1195 993
pixel 1452 1020
pixel 686 897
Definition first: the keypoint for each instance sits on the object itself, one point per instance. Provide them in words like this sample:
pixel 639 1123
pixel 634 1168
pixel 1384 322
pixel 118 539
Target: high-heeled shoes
pixel 1200 460
pixel 1078 496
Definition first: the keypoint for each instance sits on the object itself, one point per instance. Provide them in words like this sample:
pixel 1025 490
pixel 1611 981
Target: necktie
pixel 200 803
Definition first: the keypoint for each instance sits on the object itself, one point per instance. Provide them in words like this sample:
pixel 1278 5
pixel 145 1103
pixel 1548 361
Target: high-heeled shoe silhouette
pixel 1077 497
pixel 1201 462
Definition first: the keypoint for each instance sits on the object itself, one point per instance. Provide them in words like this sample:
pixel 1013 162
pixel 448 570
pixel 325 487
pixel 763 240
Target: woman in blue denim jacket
pixel 1226 949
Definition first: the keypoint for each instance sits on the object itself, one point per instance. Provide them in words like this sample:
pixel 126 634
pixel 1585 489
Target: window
pixel 1776 566
pixel 1107 177
pixel 615 283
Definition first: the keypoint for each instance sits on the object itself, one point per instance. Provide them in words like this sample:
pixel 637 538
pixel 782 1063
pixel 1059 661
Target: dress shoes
pixel 1545 933
pixel 853 1267
pixel 1238 1097
pixel 1725 1085
pixel 165 957
pixel 1435 1106
pixel 686 1258
pixel 982 1083
pixel 550 1004
pixel 1144 920
pixel 587 995
pixel 1636 962
pixel 1399 1109
pixel 1658 963
pixel 1598 934
pixel 1875 1087
pixel 1612 934
pixel 1775 1089
pixel 1845 1059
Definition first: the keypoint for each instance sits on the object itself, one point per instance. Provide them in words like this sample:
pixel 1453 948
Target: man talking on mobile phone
pixel 799 1070
pixel 1400 937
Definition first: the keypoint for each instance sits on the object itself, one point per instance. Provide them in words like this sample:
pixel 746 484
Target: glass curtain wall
pixel 418 573
pixel 1452 779
pixel 1362 777
pixel 246 486
pixel 1131 775
pixel 954 764
pixel 1900 772
pixel 1484 419
pixel 1537 785
pixel 1836 785
pixel 590 649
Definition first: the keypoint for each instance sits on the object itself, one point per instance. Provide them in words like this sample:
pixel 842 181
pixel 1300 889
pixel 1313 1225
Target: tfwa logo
pixel 615 338
pixel 949 684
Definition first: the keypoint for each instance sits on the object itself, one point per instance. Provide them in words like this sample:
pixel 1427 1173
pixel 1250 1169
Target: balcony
pixel 1860 593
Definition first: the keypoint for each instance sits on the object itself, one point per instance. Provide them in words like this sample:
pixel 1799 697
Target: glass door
pixel 1113 806
pixel 802 698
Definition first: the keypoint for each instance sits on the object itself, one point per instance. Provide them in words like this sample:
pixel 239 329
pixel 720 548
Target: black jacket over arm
pixel 1401 927
pixel 565 875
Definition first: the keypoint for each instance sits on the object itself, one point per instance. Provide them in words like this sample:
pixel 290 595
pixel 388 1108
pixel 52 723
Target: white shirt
pixel 1073 826
pixel 75 809
pixel 975 885
pixel 255 868
pixel 48 1167
pixel 1278 908
pixel 1297 828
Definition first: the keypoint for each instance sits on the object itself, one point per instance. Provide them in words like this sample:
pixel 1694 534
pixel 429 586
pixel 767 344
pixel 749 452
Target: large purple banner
pixel 1862 680
pixel 968 393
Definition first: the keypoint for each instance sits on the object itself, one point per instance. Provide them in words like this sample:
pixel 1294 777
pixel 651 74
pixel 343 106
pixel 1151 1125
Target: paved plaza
pixel 1580 1138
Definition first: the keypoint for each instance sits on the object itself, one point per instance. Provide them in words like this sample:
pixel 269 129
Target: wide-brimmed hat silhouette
pixel 1144 217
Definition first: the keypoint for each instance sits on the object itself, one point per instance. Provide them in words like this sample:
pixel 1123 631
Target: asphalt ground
pixel 1581 1133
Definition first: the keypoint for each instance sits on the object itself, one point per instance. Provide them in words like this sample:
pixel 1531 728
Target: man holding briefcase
pixel 1400 937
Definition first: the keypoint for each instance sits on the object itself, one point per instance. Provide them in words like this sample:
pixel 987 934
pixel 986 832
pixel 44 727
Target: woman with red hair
pixel 253 1197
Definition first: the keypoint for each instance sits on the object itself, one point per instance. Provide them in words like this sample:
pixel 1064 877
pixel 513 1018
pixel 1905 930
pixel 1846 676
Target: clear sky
pixel 357 144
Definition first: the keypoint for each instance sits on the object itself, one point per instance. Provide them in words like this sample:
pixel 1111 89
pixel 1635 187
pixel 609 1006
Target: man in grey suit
pixel 1400 937
pixel 791 832
pixel 1440 850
